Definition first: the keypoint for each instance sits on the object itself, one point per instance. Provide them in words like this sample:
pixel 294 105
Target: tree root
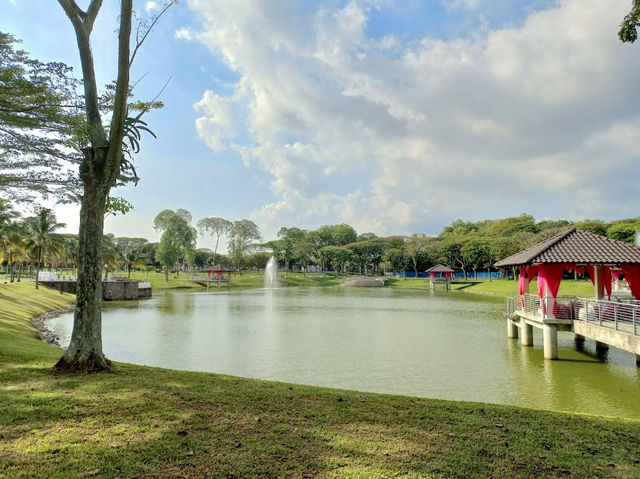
pixel 87 364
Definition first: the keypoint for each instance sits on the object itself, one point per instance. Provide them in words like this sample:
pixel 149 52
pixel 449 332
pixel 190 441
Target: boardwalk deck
pixel 609 323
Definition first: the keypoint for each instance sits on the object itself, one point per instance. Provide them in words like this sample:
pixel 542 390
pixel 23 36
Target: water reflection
pixel 450 346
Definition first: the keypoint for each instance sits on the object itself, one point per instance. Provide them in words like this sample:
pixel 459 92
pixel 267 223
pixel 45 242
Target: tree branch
pixel 92 106
pixel 140 41
pixel 116 133
pixel 92 13
pixel 73 11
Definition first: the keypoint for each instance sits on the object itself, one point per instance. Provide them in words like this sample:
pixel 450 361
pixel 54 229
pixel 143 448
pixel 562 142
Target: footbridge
pixel 608 322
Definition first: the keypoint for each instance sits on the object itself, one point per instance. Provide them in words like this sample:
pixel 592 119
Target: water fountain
pixel 271 273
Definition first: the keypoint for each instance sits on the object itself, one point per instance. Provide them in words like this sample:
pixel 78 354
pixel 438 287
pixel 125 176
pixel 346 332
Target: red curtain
pixel 616 275
pixel 550 275
pixel 447 274
pixel 432 274
pixel 523 274
pixel 533 270
pixel 632 275
pixel 606 278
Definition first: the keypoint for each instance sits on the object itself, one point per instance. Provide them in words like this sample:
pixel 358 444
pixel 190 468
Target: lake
pixel 443 345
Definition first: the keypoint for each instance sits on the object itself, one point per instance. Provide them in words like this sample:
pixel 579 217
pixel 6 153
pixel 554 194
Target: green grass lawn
pixel 510 288
pixel 152 422
pixel 243 280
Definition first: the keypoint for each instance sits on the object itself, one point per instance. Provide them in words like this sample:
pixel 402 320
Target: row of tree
pixel 465 246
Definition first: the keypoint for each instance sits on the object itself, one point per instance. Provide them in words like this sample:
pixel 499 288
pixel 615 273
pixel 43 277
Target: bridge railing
pixel 621 315
pixel 529 303
pixel 211 279
pixel 509 307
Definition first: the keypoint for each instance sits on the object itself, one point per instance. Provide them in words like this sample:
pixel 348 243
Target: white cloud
pixel 184 34
pixel 151 6
pixel 395 137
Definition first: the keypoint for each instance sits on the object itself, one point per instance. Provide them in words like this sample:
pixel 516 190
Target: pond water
pixel 449 346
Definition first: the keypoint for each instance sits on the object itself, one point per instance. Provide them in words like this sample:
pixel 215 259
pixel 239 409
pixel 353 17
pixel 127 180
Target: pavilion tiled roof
pixel 575 246
pixel 439 268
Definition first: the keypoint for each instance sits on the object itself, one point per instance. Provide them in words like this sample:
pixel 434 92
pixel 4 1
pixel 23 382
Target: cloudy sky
pixel 392 116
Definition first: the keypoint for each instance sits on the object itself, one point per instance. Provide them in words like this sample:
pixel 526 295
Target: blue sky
pixel 395 117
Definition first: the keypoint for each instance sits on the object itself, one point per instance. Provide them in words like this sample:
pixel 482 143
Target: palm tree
pixel 41 239
pixel 69 251
pixel 7 214
pixel 12 246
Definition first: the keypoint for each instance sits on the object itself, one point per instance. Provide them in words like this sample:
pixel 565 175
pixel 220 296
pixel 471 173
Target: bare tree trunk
pixel 85 349
pixel 38 268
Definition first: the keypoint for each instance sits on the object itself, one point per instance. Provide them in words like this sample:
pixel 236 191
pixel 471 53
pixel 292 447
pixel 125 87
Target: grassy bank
pixel 151 422
pixel 500 287
pixel 244 280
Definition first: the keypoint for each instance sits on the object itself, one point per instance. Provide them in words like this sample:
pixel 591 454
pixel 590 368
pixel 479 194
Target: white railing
pixel 622 314
pixel 144 284
pixel 509 307
pixel 54 276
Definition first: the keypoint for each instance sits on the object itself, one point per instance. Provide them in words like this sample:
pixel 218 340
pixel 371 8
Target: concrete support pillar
pixel 526 332
pixel 638 360
pixel 598 282
pixel 512 329
pixel 550 337
pixel 548 301
pixel 579 340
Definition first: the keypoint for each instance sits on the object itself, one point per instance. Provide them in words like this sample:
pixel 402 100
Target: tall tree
pixel 106 158
pixel 243 233
pixel 131 251
pixel 289 239
pixel 414 248
pixel 477 252
pixel 338 257
pixel 41 238
pixel 39 119
pixel 178 237
pixel 214 226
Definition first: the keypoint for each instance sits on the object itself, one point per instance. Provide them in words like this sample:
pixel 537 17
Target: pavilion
pixel 609 322
pixel 221 274
pixel 444 273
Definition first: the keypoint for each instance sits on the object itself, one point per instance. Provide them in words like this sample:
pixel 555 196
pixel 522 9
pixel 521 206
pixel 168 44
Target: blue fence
pixel 457 274
pixel 481 274
pixel 412 274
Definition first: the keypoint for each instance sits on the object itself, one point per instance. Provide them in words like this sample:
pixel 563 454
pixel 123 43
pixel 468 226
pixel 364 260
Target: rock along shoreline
pixel 46 334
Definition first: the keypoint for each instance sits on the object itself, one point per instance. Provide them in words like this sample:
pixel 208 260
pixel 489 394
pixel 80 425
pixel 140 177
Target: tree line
pixel 31 243
pixel 465 246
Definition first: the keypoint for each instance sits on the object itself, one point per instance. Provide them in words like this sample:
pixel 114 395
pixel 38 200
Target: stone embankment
pixel 363 282
pixel 119 290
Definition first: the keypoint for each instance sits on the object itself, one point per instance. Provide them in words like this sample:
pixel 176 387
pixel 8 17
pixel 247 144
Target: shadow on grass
pixel 144 422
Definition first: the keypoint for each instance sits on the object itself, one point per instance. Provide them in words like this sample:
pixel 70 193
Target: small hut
pixel 605 321
pixel 440 274
pixel 221 274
